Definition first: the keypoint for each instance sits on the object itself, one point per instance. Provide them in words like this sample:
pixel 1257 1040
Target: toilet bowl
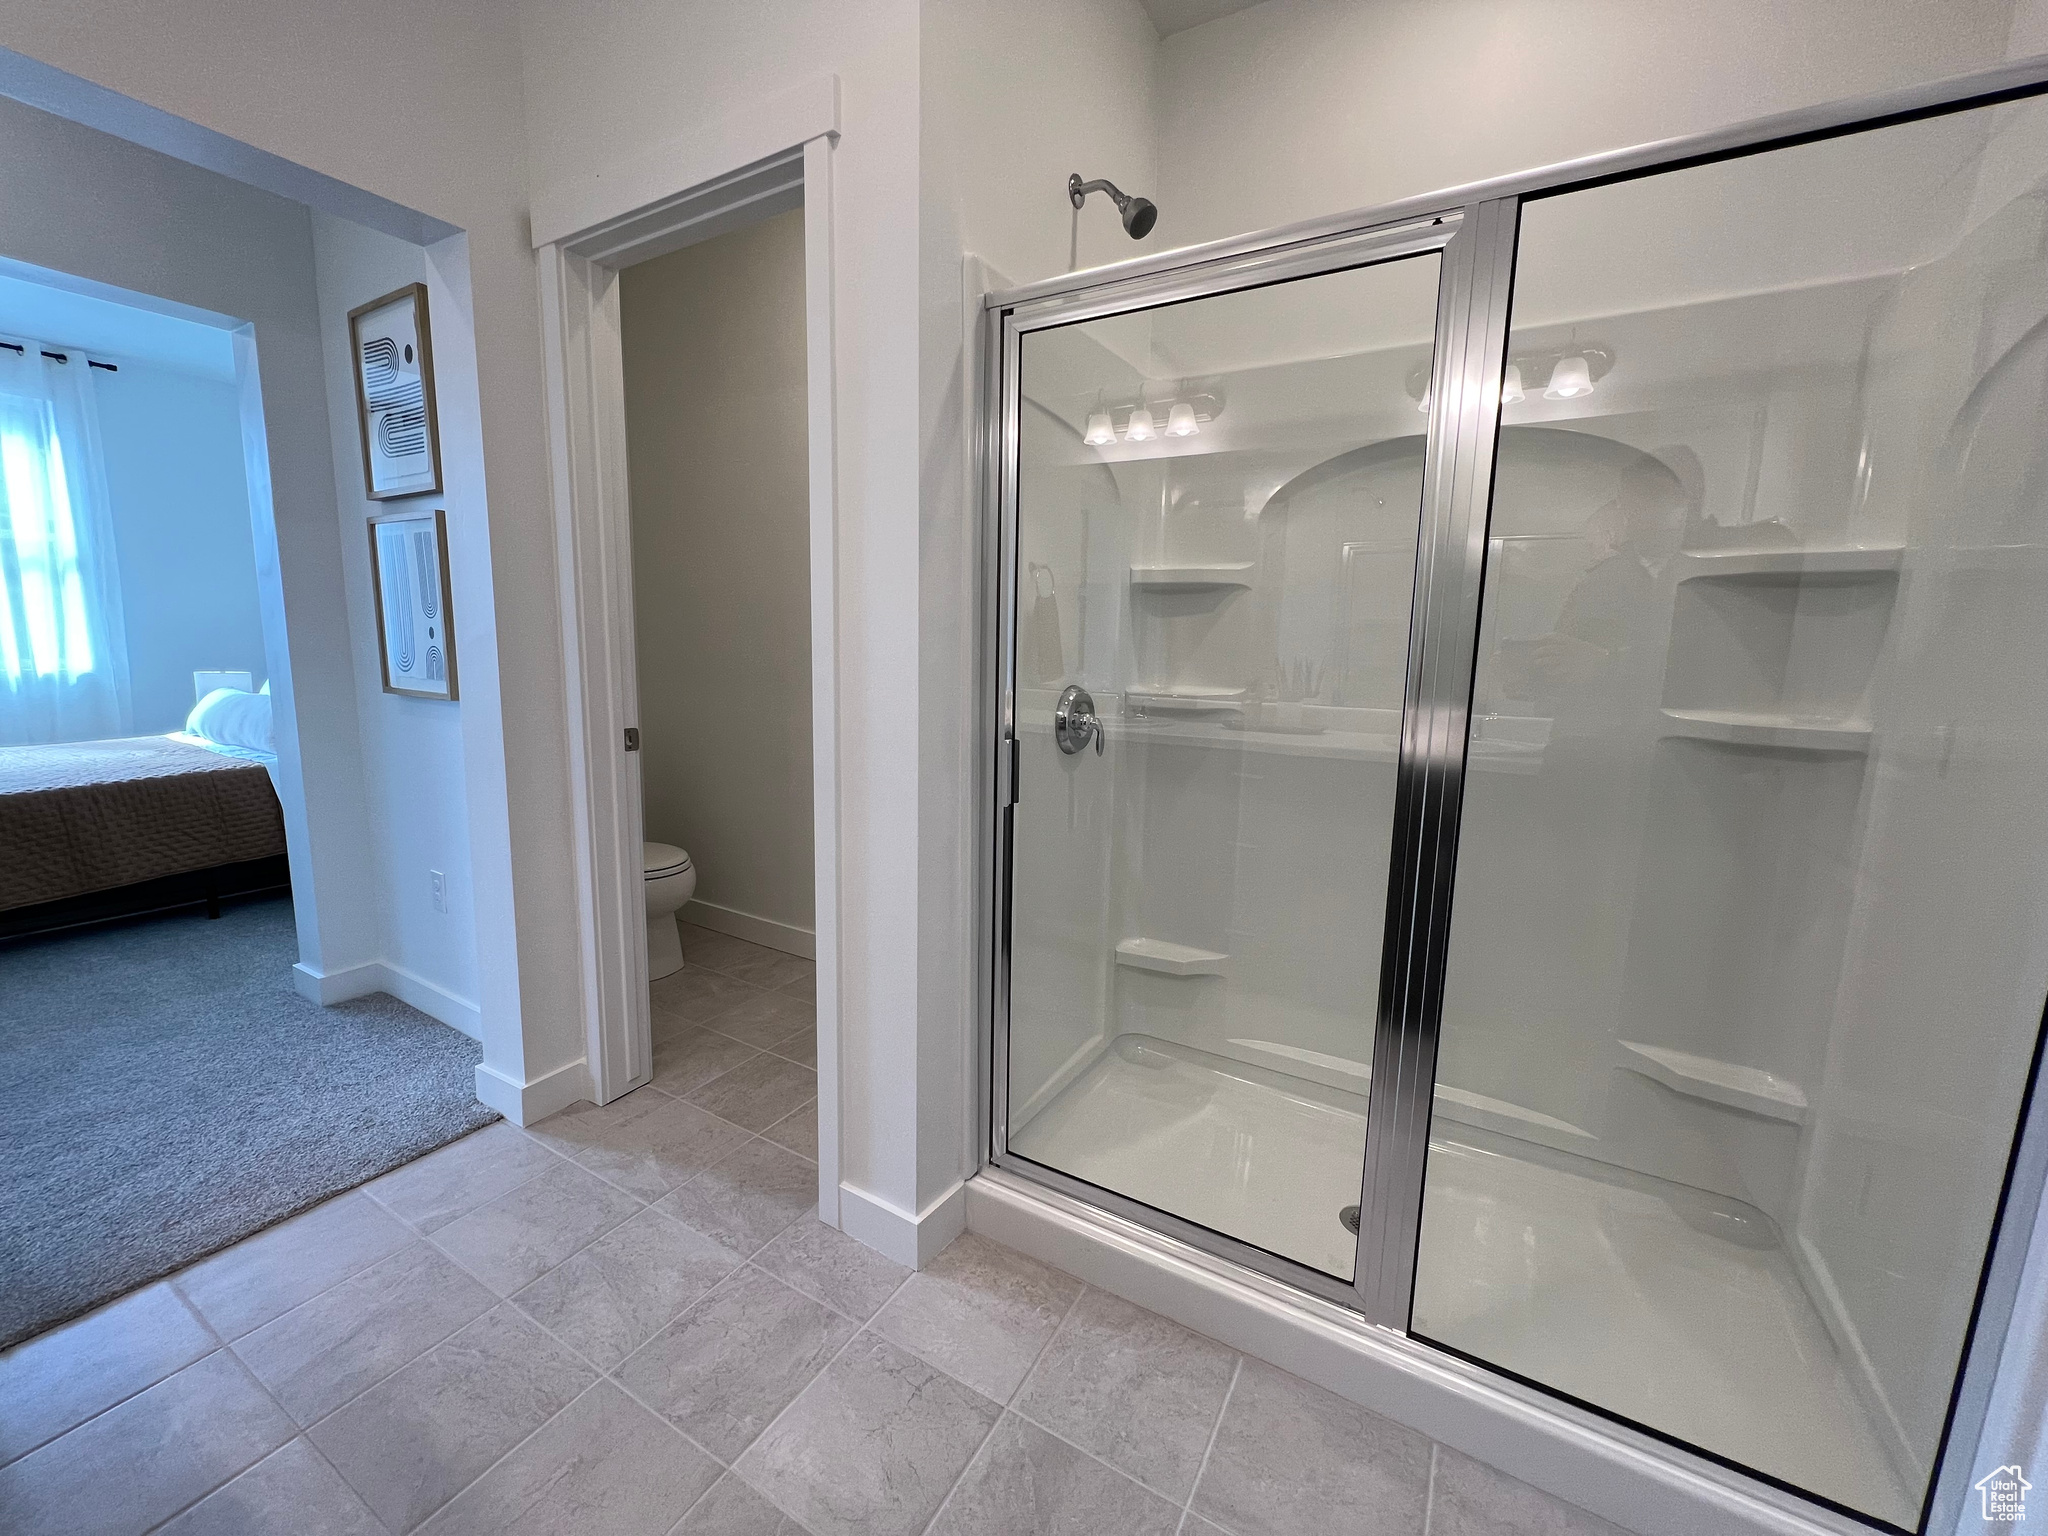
pixel 670 879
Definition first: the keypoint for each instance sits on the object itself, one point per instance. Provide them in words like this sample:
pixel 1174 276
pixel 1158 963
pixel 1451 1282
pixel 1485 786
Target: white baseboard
pixel 1637 1483
pixel 525 1103
pixel 434 1000
pixel 910 1240
pixel 786 937
pixel 330 987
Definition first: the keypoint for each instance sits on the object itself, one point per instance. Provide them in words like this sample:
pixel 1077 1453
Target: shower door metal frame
pixel 1475 227
pixel 1467 245
pixel 1429 787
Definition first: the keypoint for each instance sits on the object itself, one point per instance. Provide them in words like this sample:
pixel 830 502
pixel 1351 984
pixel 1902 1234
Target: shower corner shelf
pixel 1192 578
pixel 1791 564
pixel 1718 1082
pixel 1800 733
pixel 1186 699
pixel 1169 959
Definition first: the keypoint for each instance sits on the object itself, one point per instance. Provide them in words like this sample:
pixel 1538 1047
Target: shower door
pixel 1744 974
pixel 1219 513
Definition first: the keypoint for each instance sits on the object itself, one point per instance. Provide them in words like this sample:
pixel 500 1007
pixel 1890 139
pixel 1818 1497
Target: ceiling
pixel 1171 16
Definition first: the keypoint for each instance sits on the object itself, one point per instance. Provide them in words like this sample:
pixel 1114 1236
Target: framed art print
pixel 393 355
pixel 415 624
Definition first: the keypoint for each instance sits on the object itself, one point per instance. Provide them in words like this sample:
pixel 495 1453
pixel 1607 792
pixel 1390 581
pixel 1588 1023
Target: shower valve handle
pixel 1074 722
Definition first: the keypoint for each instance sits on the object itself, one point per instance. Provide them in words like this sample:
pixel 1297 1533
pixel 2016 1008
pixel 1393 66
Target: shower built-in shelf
pixel 1169 959
pixel 1185 699
pixel 1795 733
pixel 1191 578
pixel 1793 564
pixel 1718 1082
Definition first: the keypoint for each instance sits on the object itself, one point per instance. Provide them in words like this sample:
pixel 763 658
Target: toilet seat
pixel 658 860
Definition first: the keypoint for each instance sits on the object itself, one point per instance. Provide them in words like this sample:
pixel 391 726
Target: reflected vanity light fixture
pixel 1182 414
pixel 1570 379
pixel 1568 371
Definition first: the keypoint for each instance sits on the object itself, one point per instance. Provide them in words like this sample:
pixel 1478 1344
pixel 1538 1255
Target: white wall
pixel 1015 98
pixel 716 444
pixel 413 768
pixel 179 492
pixel 1298 108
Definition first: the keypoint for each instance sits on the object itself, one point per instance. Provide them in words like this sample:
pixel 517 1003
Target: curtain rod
pixel 60 357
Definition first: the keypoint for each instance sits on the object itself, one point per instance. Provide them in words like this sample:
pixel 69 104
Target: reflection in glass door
pixel 1216 515
pixel 1746 964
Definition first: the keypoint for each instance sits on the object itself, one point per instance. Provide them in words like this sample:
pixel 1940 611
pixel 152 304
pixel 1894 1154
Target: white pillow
pixel 234 719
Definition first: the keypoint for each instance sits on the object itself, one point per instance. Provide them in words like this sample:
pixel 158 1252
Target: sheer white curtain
pixel 63 653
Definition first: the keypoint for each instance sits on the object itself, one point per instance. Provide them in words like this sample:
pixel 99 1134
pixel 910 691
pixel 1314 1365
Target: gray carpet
pixel 168 1092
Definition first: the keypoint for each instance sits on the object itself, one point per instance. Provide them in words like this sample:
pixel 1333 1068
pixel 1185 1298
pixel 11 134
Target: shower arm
pixel 1078 190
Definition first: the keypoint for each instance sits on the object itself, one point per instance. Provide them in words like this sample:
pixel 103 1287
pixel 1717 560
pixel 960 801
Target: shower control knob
pixel 1074 724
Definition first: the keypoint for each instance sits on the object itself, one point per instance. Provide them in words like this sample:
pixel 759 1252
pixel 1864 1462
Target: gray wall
pixel 716 440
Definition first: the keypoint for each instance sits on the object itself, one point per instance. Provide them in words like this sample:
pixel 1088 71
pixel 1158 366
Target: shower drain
pixel 1349 1216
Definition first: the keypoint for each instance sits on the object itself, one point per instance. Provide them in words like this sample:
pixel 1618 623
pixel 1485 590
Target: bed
pixel 92 816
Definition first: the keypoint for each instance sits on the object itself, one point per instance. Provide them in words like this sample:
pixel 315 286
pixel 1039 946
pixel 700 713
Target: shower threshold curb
pixel 1639 1483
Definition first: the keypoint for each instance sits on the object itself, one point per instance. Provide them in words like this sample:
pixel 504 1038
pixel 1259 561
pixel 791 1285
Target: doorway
pixel 185 795
pixel 712 348
pixel 712 342
pixel 584 252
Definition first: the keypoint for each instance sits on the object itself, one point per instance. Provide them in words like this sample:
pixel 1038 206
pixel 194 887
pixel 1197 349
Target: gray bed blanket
pixel 91 815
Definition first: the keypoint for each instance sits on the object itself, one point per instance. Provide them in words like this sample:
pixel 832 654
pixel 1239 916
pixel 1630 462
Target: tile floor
pixel 628 1319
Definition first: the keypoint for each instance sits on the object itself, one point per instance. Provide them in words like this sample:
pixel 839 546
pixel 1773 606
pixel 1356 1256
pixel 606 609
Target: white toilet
pixel 670 878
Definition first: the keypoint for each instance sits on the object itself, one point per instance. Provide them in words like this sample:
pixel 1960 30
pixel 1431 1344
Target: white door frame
pixel 774 157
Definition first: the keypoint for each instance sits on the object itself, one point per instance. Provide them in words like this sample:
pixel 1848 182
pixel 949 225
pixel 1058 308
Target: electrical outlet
pixel 439 884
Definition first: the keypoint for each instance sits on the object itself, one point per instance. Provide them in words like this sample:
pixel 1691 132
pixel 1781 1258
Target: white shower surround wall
pixel 1736 1078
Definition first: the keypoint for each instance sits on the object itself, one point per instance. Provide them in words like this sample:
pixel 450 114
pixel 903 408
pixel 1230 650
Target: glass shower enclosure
pixel 1520 766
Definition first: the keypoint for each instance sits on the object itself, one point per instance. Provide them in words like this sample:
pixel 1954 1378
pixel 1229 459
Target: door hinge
pixel 632 738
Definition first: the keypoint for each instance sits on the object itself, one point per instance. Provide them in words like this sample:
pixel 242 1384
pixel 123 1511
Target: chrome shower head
pixel 1138 213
